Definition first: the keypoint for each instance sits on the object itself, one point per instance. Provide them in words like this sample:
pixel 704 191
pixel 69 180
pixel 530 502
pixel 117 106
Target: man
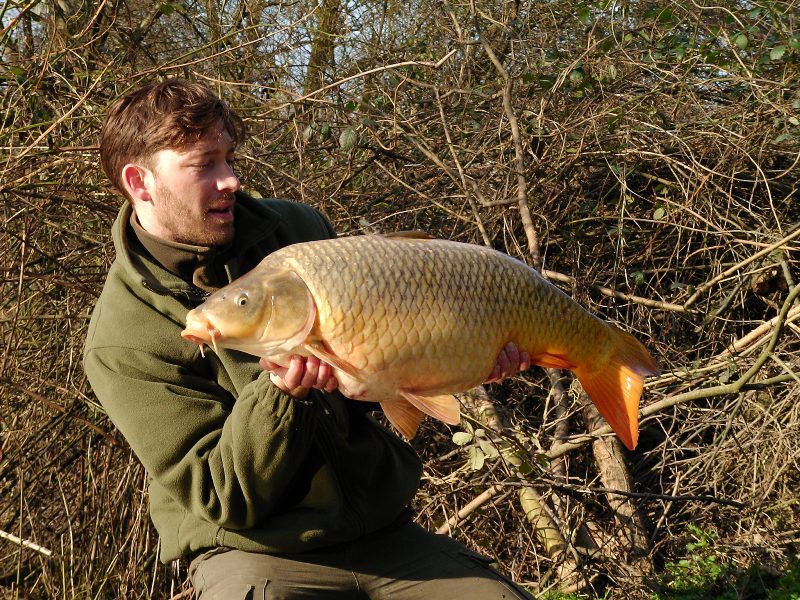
pixel 269 480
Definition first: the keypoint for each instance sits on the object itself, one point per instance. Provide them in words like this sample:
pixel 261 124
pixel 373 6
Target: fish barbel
pixel 408 322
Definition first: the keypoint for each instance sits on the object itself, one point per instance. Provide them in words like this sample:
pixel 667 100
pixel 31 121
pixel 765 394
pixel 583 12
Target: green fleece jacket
pixel 232 461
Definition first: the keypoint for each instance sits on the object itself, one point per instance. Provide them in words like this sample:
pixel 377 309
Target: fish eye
pixel 241 300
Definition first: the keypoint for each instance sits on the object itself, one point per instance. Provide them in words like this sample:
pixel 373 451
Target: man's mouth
pixel 223 211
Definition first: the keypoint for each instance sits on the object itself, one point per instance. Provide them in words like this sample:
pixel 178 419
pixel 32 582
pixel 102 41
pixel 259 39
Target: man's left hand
pixel 510 362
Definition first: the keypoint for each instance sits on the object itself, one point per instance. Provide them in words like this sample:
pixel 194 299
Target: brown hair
pixel 171 114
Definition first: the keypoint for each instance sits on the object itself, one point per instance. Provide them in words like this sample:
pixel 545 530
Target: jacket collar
pixel 167 268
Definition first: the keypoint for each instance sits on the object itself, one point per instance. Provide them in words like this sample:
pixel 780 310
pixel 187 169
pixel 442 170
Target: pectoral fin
pixel 552 361
pixel 405 417
pixel 321 352
pixel 444 407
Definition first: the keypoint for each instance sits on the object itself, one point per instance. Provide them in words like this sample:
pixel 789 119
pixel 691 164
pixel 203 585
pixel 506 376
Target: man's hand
pixel 303 374
pixel 510 362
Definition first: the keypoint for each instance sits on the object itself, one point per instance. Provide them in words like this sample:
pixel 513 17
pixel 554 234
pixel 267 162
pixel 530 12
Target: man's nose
pixel 228 181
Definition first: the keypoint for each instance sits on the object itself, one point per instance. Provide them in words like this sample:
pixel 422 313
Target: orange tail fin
pixel 616 388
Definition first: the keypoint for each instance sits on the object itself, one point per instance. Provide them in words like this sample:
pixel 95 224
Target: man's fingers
pixel 512 355
pixel 310 373
pixel 294 374
pixel 268 365
pixel 302 374
pixel 503 363
pixel 510 361
pixel 524 361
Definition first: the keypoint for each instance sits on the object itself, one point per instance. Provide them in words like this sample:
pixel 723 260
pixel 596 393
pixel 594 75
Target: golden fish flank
pixel 408 322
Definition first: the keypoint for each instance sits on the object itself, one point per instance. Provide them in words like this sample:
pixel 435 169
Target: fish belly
pixel 431 317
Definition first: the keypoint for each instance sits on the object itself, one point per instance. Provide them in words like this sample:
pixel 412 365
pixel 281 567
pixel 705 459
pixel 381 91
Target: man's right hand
pixel 303 374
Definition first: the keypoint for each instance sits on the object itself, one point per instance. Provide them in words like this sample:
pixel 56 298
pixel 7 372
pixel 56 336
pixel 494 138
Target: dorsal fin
pixel 409 235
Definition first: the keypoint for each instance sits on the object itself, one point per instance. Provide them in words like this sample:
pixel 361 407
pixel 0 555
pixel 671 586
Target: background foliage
pixel 645 155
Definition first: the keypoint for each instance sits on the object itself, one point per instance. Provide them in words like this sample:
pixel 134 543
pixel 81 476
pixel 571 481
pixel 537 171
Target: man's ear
pixel 138 181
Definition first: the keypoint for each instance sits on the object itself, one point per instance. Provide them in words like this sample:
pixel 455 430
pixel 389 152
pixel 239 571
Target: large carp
pixel 408 321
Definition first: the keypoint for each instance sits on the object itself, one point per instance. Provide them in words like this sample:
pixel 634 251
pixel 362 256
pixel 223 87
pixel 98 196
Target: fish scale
pixel 408 322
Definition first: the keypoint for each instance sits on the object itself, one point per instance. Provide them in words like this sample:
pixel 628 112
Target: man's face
pixel 192 195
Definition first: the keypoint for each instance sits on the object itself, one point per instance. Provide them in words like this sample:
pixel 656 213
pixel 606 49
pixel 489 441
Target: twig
pixel 556 276
pixel 25 543
pixel 54 405
pixel 519 156
pixel 469 508
pixel 703 287
pixel 649 495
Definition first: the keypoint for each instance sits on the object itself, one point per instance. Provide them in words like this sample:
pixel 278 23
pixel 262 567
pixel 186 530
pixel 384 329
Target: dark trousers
pixel 407 563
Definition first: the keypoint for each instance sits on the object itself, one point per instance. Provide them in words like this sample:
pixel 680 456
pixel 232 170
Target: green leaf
pixel 489 449
pixel 348 138
pixel 476 458
pixel 777 52
pixel 741 41
pixel 462 438
pixel 325 132
pixel 659 213
pixel 576 76
pixel 584 15
pixel 546 82
pixel 637 277
pixel 666 15
pixel 308 132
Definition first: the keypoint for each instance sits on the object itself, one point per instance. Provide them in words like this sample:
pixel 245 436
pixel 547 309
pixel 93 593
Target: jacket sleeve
pixel 230 463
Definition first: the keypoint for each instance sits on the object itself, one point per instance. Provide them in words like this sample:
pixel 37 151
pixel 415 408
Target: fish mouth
pixel 203 337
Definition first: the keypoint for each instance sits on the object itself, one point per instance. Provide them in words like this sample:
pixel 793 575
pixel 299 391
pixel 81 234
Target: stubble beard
pixel 187 227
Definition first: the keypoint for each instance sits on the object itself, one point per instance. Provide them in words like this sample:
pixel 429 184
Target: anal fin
pixel 404 416
pixel 444 407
